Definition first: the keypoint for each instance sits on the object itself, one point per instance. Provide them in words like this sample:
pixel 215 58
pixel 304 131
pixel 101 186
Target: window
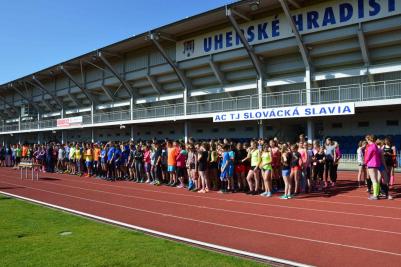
pixel 269 128
pixel 248 129
pixel 392 123
pixel 215 130
pixel 337 125
pixel 199 131
pixel 231 129
pixel 363 124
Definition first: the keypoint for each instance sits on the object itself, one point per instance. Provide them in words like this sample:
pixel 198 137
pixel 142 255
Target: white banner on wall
pixel 335 109
pixel 314 18
pixel 69 122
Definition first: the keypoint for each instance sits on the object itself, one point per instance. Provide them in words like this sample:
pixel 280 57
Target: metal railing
pixel 223 104
pixel 390 89
pixel 121 115
pixel 350 162
pixel 159 111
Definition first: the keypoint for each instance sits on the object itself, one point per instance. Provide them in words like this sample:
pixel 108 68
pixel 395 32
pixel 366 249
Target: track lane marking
pixel 217 224
pixel 228 211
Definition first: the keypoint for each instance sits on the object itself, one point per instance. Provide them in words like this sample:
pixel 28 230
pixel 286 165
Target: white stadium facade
pixel 249 69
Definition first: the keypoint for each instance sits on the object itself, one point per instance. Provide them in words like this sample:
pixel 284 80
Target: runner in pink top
pixel 373 162
pixel 147 161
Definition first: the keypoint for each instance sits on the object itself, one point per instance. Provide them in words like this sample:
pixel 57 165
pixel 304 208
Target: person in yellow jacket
pixel 253 177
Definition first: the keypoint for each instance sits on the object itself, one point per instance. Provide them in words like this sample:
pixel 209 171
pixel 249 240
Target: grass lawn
pixel 30 236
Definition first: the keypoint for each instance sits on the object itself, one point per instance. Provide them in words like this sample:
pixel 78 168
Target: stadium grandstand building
pixel 249 69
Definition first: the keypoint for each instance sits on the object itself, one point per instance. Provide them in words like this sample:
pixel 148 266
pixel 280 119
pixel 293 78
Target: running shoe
pixel 269 194
pixel 373 198
pixel 290 196
pixel 264 194
pixel 180 186
pixel 284 197
pixel 201 191
pixel 390 198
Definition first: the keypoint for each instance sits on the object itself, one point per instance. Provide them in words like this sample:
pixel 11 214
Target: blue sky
pixel 40 33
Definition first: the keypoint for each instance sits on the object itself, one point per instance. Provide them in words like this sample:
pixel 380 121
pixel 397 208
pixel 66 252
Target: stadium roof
pixel 174 31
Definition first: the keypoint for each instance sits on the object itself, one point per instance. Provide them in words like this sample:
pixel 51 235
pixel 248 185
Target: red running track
pixel 342 228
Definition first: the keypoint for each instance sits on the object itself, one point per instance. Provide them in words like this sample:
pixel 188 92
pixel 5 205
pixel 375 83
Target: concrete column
pixel 186 130
pixel 131 109
pixel 62 136
pixel 309 122
pixel 132 132
pixel 310 130
pixel 260 129
pixel 260 105
pixel 92 113
pixel 260 92
pixel 92 135
pixel 185 101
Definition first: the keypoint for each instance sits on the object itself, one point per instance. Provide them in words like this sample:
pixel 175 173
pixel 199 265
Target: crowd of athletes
pixel 260 167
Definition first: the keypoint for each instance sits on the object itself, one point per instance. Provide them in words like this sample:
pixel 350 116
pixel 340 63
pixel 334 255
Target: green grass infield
pixel 33 235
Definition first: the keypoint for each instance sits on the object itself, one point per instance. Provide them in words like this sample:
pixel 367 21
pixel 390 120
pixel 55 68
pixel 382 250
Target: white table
pixel 33 168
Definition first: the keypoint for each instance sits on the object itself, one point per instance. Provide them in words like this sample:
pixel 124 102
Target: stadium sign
pixel 69 122
pixel 287 112
pixel 314 18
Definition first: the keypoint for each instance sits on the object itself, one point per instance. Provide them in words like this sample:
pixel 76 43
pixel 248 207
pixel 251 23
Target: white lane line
pixel 238 201
pixel 296 199
pixel 228 211
pixel 219 225
pixel 162 234
pixel 243 202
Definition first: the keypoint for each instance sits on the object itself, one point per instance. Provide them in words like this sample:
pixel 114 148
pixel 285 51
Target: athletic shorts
pixel 164 167
pixel 296 168
pixel 240 168
pixel 268 168
pixel 181 172
pixel 285 172
pixel 381 168
pixel 171 168
pixel 213 165
pixel 88 164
